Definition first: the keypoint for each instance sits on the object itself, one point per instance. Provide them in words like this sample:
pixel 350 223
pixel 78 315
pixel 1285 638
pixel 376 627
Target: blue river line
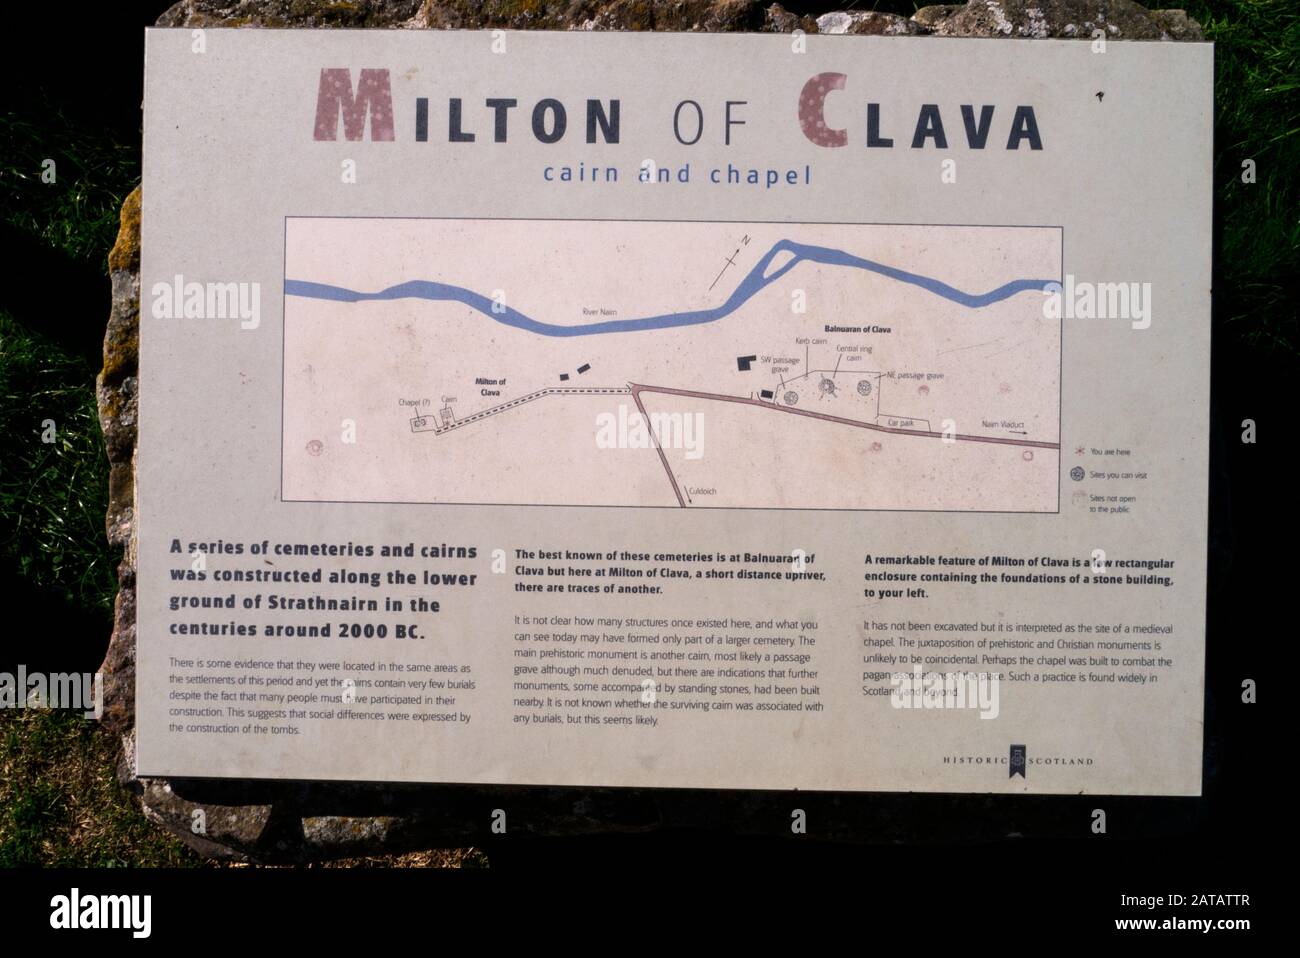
pixel 755 281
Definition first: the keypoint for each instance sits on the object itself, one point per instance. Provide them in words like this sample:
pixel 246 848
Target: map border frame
pixel 1060 405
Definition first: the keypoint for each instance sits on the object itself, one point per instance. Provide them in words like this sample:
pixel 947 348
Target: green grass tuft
pixel 1257 98
pixel 78 213
pixel 53 495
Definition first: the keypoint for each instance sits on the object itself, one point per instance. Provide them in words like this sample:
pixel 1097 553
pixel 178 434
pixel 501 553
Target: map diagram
pixel 671 364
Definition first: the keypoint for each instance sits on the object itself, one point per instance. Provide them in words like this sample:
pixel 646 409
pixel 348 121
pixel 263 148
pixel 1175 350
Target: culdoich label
pixel 1017 762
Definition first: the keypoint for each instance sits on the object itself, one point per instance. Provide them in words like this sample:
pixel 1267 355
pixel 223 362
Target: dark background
pixel 1037 853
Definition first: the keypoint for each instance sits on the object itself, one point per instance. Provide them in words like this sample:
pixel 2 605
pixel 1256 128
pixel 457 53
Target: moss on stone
pixel 125 253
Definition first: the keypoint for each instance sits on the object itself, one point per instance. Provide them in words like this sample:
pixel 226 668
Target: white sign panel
pixel 674 410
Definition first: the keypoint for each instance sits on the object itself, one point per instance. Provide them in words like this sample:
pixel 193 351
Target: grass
pixel 62 806
pixel 60 803
pixel 1257 93
pixel 77 214
pixel 54 485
